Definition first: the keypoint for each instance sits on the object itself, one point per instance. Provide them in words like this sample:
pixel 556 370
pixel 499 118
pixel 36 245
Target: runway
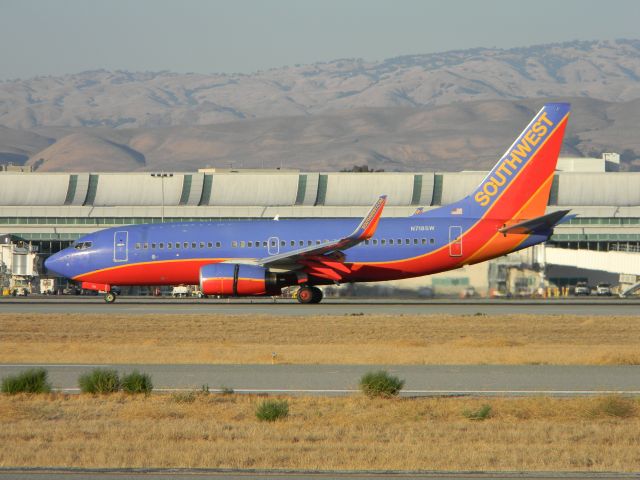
pixel 332 380
pixel 262 306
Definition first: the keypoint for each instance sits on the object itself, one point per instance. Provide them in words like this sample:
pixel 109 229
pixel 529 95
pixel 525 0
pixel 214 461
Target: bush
pixel 99 380
pixel 380 384
pixel 184 397
pixel 137 382
pixel 481 413
pixel 613 406
pixel 29 381
pixel 272 410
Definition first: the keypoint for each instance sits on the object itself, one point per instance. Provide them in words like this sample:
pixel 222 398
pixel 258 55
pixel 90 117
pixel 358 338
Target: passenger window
pixel 301 243
pixel 415 241
pixel 217 244
pixel 194 245
pixel 383 242
pixel 309 242
pixel 169 245
pixel 153 246
pixel 201 244
pixel 273 243
pixel 264 244
pixel 249 244
pixel 185 244
pixel 234 244
pixel 407 241
pixel 146 246
pixel 137 246
pixel 209 245
pixel 282 243
pixel 432 241
pixel 242 244
pixel 177 246
pixel 375 241
pixel 424 241
pixel 366 242
pixel 293 243
pixel 161 246
pixel 390 241
pixel 317 242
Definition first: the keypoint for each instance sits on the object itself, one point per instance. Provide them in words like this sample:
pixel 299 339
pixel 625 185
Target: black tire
pixel 317 295
pixel 305 295
pixel 110 297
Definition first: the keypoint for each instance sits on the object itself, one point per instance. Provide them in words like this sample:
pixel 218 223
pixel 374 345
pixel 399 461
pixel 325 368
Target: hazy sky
pixel 39 37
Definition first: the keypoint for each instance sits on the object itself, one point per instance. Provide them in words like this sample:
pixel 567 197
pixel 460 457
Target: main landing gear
pixel 109 297
pixel 308 294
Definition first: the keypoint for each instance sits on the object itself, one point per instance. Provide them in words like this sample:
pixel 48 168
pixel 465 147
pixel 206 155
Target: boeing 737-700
pixel 505 213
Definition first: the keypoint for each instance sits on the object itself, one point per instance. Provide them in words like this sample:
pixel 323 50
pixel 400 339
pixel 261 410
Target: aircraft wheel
pixel 317 295
pixel 305 295
pixel 110 297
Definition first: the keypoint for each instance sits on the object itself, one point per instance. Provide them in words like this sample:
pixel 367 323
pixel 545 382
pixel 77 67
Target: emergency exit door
pixel 455 241
pixel 120 251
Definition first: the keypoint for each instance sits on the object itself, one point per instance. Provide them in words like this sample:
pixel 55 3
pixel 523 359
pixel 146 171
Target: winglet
pixel 368 226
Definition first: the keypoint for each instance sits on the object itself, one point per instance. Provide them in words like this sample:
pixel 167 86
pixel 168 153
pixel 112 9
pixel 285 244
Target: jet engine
pixel 240 280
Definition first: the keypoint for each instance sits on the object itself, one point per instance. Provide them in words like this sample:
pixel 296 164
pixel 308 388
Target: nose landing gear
pixel 307 295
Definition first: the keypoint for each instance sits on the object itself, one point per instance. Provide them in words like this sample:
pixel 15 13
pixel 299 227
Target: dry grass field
pixel 349 339
pixel 320 433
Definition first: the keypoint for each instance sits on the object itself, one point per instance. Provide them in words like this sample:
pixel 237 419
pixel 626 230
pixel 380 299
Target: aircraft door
pixel 120 250
pixel 455 241
pixel 273 247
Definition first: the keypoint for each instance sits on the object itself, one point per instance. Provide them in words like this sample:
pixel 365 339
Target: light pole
pixel 162 176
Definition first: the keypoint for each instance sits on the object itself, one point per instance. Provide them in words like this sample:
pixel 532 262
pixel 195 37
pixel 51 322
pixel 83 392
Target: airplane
pixel 505 213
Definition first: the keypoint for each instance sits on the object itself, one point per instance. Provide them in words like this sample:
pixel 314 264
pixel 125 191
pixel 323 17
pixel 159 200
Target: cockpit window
pixel 82 245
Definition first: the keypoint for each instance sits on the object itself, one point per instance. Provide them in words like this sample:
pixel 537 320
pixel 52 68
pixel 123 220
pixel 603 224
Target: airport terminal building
pixel 51 210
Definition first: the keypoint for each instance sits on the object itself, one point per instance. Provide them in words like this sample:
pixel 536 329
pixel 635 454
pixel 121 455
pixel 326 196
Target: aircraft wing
pixel 363 232
pixel 538 224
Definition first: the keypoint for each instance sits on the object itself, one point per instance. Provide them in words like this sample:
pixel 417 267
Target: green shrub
pixel 137 382
pixel 613 406
pixel 272 410
pixel 380 384
pixel 184 397
pixel 99 380
pixel 481 413
pixel 29 381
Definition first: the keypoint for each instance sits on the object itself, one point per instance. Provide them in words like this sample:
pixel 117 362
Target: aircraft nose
pixel 54 264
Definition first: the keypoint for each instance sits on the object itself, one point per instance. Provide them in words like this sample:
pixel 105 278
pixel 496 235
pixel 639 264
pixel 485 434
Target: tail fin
pixel 518 186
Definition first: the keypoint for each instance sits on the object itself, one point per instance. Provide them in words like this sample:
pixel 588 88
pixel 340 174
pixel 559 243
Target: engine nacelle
pixel 239 280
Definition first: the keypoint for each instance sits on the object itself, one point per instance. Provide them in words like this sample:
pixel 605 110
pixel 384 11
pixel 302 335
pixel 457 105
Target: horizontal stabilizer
pixel 536 225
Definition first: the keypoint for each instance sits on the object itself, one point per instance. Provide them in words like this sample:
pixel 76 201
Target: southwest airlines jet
pixel 505 213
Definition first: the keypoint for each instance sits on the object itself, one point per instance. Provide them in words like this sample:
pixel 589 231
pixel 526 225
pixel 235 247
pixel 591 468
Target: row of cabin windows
pixel 301 243
pixel 258 243
pixel 176 245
